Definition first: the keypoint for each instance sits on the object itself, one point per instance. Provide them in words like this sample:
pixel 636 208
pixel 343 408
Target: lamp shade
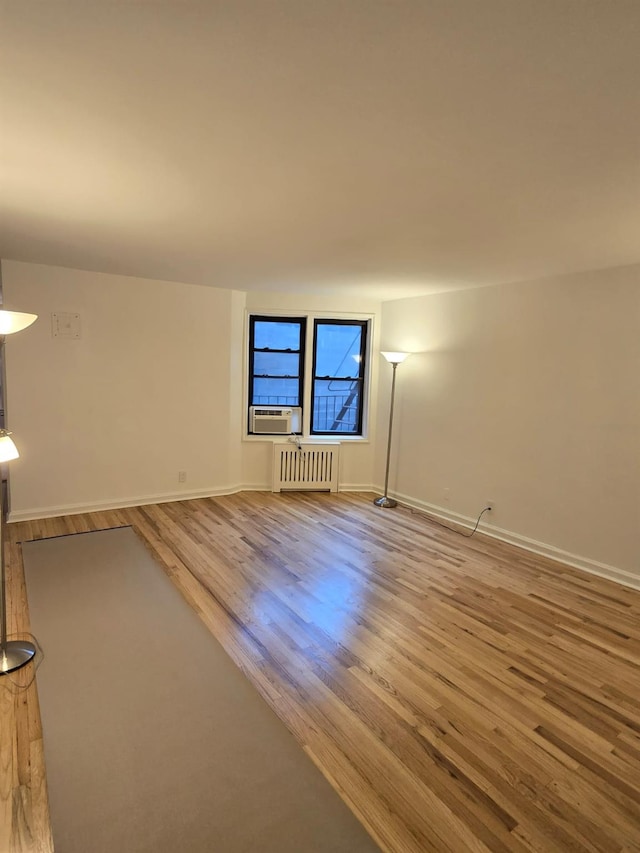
pixel 15 321
pixel 396 357
pixel 8 450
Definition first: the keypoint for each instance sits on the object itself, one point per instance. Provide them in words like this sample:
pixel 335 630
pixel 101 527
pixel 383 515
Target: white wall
pixel 356 456
pixel 144 393
pixel 528 395
pixel 525 394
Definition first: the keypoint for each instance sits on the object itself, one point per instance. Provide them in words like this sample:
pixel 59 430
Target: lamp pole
pixel 394 358
pixel 14 654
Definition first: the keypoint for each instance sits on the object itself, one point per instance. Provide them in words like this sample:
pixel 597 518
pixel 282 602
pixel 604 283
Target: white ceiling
pixel 366 146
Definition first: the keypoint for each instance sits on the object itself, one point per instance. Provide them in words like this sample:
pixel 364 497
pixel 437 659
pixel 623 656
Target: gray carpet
pixel 154 741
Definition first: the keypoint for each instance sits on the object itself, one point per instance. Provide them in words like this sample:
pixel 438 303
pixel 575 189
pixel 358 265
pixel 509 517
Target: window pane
pixel 276 335
pixel 336 406
pixel 275 392
pixel 276 364
pixel 338 349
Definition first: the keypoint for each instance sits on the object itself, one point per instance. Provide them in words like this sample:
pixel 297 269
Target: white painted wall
pixel 356 456
pixel 147 391
pixel 528 395
pixel 236 382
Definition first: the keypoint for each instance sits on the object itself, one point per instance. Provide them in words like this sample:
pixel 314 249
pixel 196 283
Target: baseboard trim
pixel 142 500
pixel 565 557
pixel 356 487
pixel 575 561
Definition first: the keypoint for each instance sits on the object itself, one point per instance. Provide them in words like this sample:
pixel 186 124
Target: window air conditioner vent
pixel 270 420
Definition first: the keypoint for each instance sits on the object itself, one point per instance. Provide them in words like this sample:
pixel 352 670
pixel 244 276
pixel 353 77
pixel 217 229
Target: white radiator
pixel 312 467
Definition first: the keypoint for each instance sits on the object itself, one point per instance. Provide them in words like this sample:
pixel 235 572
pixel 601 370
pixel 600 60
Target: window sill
pixel 314 439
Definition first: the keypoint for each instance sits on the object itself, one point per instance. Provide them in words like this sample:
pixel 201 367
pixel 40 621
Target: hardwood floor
pixel 460 694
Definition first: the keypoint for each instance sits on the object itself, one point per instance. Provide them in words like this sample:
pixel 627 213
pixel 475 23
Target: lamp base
pixel 15 654
pixel 386 502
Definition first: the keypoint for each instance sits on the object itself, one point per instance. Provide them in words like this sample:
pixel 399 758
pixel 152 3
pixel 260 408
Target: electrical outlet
pixel 446 495
pixel 182 476
pixel 490 503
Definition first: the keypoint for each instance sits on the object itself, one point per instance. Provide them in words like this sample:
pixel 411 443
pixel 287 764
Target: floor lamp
pixel 13 653
pixel 394 358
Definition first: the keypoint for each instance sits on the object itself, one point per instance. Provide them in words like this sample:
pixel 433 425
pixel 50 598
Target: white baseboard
pixel 575 561
pixel 357 487
pixel 142 500
pixel 603 570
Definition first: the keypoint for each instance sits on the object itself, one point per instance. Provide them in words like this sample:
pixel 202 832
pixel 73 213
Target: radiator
pixel 313 467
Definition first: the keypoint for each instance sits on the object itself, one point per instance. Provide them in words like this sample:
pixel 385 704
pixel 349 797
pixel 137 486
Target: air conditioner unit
pixel 271 420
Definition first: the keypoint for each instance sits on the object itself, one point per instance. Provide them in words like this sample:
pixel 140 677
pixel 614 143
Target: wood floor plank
pixel 460 694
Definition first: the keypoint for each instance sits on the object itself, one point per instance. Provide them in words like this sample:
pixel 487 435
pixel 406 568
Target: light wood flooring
pixel 460 694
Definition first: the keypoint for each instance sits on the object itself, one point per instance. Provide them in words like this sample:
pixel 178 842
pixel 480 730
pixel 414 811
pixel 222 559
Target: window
pixel 338 376
pixel 334 381
pixel 276 360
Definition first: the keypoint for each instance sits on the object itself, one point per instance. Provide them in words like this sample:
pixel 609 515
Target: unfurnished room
pixel 320 426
